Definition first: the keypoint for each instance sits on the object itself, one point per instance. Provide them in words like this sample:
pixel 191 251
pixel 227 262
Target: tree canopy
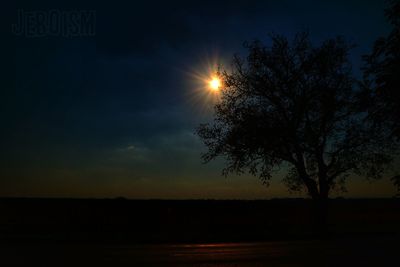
pixel 293 106
pixel 382 75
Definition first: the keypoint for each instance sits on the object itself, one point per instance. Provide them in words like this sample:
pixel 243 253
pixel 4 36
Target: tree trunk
pixel 319 196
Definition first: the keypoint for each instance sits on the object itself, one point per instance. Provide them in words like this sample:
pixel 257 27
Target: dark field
pixel 67 232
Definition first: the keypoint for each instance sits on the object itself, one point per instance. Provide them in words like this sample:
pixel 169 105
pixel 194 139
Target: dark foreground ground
pixel 62 232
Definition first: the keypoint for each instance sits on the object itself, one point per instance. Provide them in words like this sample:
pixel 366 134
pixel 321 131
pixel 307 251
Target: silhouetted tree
pixel 382 75
pixel 293 105
pixel 381 94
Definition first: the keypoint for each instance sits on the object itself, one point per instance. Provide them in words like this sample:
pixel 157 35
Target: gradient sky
pixel 114 114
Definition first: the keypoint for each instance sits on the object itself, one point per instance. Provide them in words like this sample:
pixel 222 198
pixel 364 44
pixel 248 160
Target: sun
pixel 215 84
pixel 207 82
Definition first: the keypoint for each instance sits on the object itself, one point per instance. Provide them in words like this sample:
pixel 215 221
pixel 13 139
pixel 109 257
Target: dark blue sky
pixel 114 114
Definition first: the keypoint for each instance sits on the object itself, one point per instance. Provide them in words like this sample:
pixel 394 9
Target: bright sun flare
pixel 215 84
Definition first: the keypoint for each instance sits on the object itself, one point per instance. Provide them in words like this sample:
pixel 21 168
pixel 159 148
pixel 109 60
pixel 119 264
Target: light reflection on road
pixel 375 251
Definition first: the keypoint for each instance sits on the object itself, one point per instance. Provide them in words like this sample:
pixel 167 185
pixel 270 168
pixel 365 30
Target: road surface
pixel 362 251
